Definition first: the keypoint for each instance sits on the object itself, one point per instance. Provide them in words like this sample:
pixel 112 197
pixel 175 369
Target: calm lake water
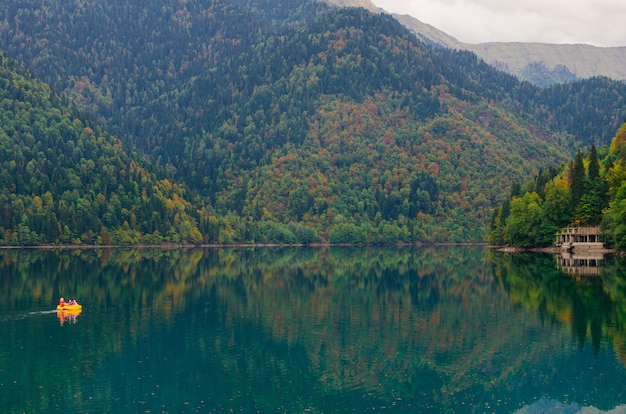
pixel 299 330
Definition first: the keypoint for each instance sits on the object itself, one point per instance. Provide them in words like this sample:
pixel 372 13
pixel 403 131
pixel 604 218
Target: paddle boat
pixel 68 307
pixel 72 305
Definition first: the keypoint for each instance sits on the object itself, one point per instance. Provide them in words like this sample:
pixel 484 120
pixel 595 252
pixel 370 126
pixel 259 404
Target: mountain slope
pixel 63 181
pixel 429 34
pixel 295 121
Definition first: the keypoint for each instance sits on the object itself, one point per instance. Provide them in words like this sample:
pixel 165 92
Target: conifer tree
pixel 577 179
pixel 595 198
pixel 594 165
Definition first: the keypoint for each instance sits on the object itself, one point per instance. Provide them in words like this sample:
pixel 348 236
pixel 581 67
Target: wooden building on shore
pixel 579 239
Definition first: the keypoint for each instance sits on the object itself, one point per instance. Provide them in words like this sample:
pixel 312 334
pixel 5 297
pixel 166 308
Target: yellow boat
pixel 68 307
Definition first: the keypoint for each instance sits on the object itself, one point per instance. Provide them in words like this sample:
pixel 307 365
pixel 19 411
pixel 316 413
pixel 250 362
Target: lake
pixel 310 330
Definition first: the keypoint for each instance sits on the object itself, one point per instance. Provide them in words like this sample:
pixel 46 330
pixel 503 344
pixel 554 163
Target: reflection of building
pixel 581 250
pixel 587 264
pixel 579 239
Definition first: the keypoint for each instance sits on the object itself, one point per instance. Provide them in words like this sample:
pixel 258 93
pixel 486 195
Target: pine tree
pixel 596 198
pixel 594 165
pixel 577 179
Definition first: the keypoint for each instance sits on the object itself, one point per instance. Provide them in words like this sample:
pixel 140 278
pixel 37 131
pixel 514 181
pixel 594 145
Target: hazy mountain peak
pixel 580 60
pixel 540 63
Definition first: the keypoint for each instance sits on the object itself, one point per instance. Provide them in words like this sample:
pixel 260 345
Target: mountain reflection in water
pixel 446 329
pixel 547 406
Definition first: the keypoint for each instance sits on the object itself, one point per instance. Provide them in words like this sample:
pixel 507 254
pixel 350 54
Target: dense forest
pixel 271 122
pixel 589 191
pixel 62 181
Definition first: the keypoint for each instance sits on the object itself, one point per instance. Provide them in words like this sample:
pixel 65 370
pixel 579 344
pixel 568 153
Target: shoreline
pixel 554 250
pixel 168 246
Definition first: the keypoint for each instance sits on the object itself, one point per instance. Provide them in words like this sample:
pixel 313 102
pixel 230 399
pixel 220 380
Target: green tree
pixel 523 226
pixel 594 164
pixel 556 210
pixel 577 179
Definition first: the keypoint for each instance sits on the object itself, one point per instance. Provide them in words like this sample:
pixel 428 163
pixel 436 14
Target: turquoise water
pixel 299 330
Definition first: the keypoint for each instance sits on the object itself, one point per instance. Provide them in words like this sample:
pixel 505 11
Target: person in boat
pixel 72 301
pixel 61 302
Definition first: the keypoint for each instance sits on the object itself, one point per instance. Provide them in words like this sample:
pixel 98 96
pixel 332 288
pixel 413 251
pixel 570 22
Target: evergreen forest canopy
pixel 209 121
pixel 65 182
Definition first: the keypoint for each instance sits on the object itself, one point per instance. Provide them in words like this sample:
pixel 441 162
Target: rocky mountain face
pixel 540 63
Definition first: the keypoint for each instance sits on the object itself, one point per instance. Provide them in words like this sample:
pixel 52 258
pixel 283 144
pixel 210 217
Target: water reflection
pixel 587 264
pixel 320 330
pixel 588 305
pixel 545 405
pixel 68 316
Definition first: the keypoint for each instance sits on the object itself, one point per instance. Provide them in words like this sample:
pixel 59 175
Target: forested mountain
pixel 63 181
pixel 292 120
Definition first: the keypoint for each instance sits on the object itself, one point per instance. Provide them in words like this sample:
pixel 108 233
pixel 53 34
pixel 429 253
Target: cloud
pixel 597 22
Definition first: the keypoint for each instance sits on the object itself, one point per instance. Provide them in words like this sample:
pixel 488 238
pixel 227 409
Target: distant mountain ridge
pixel 540 63
pixel 582 61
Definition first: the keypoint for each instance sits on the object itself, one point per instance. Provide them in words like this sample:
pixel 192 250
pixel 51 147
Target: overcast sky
pixel 595 22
